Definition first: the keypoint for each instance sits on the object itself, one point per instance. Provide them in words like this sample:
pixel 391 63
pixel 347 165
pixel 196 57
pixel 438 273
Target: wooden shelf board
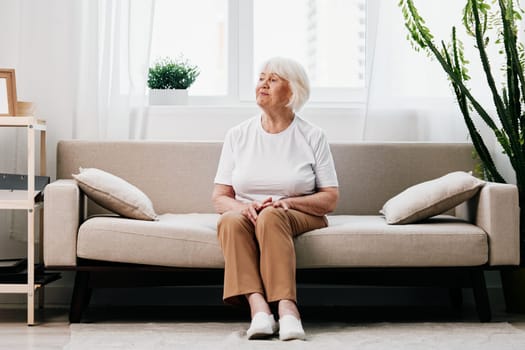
pixel 13 288
pixel 10 121
pixel 16 200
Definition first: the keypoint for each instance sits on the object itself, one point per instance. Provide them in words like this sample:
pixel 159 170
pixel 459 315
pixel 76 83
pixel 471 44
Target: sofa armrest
pixel 496 210
pixel 62 217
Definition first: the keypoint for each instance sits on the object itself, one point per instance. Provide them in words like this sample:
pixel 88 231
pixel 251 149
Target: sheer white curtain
pixel 115 38
pixel 84 64
pixel 409 96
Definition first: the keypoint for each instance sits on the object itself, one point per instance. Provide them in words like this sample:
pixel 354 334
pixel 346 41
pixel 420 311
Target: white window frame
pixel 240 62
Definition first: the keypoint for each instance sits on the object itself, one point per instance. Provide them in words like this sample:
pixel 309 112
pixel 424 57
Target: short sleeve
pixel 324 167
pixel 226 162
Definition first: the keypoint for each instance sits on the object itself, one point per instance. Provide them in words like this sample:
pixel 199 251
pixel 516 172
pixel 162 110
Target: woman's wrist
pixel 241 206
pixel 289 202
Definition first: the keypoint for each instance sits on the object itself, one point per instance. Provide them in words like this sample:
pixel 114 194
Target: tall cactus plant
pixel 480 20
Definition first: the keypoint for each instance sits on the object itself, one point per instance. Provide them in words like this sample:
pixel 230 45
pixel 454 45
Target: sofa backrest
pixel 178 176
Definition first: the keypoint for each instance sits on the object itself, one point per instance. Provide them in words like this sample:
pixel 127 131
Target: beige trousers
pixel 261 258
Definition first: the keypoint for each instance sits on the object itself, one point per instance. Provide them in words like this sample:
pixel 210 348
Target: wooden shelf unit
pixel 25 200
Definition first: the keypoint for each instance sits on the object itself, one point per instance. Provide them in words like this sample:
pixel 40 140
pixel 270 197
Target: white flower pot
pixel 168 97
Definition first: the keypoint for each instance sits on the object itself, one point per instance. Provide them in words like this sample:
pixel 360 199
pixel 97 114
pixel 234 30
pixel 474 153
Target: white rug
pixel 389 336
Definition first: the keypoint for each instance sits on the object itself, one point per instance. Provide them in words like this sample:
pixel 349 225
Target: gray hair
pixel 296 76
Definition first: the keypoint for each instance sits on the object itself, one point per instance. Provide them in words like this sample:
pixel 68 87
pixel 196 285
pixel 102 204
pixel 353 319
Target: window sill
pixel 252 105
pixel 210 123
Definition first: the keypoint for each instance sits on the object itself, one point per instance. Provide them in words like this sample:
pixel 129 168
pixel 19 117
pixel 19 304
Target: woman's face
pixel 272 91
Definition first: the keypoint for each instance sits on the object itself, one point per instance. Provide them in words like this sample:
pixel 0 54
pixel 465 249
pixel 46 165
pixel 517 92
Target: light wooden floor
pixel 53 329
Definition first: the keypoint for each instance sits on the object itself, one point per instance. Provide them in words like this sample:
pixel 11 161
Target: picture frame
pixel 7 92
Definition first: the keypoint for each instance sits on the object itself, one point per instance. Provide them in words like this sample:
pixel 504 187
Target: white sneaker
pixel 290 328
pixel 262 326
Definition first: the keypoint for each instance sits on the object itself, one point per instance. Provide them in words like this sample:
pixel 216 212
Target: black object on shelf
pixel 41 277
pixel 19 182
pixel 12 265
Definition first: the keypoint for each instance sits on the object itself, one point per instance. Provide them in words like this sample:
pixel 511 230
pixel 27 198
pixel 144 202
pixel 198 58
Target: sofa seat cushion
pixel 190 240
pixel 368 241
pixel 181 240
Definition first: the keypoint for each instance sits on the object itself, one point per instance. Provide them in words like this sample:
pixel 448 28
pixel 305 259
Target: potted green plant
pixel 487 25
pixel 169 79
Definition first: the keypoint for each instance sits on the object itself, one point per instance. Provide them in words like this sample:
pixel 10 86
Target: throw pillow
pixel 115 194
pixel 430 198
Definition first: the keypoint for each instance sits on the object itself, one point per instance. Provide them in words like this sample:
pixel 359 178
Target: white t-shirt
pixel 291 163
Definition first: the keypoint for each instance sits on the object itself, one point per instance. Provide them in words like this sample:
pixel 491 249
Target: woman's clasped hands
pixel 252 210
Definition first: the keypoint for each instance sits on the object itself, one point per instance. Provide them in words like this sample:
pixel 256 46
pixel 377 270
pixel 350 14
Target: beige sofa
pixel 357 247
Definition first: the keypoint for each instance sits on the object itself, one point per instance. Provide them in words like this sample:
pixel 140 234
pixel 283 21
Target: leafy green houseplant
pixel 169 80
pixel 487 25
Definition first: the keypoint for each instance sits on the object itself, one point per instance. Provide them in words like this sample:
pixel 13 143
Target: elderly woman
pixel 275 180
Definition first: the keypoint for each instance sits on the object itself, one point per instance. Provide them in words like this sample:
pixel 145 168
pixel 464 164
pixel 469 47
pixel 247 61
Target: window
pixel 197 30
pixel 230 38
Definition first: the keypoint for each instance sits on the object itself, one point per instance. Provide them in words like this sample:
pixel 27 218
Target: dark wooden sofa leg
pixel 80 297
pixel 481 296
